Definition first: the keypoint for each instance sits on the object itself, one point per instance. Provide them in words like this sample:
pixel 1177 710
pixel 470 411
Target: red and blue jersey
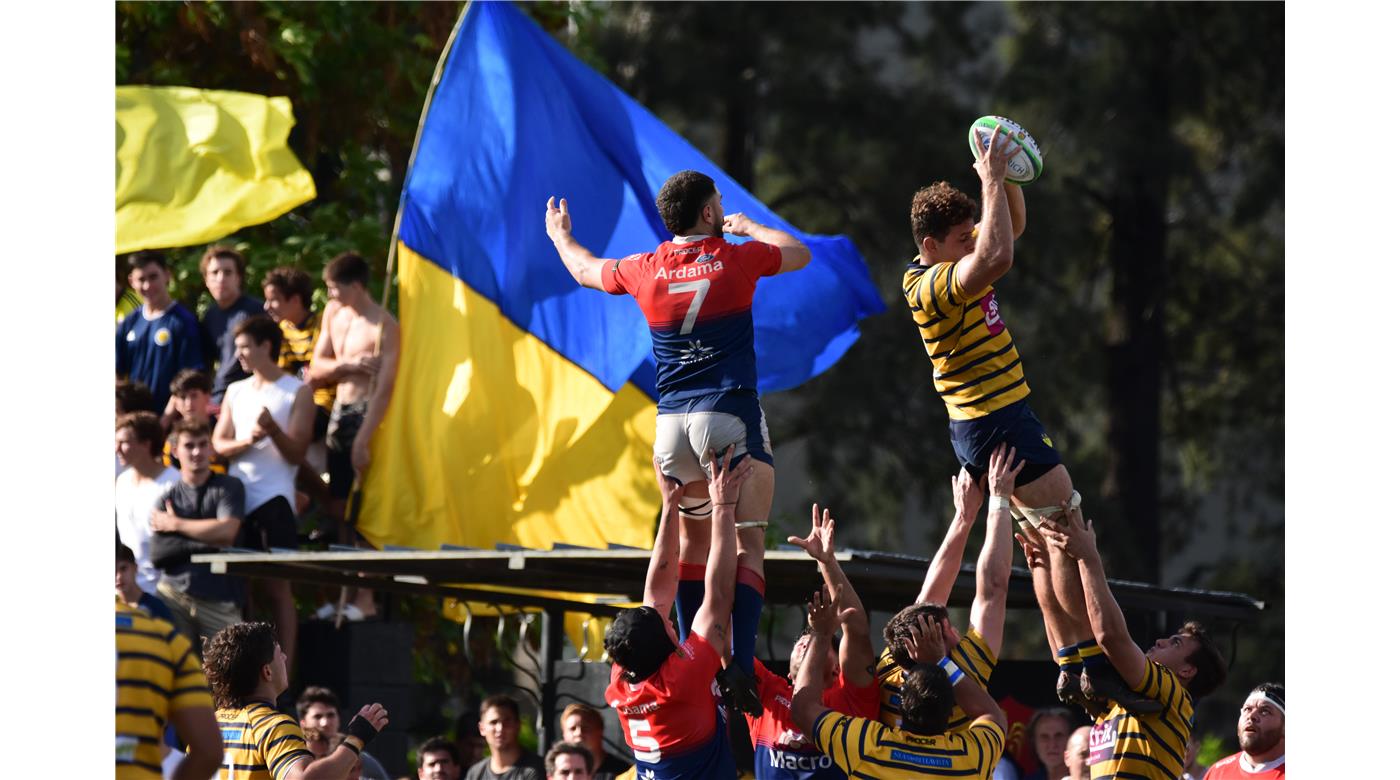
pixel 673 720
pixel 697 298
pixel 780 750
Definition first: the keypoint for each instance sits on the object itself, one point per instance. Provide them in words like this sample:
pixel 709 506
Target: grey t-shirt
pixel 528 767
pixel 217 327
pixel 219 496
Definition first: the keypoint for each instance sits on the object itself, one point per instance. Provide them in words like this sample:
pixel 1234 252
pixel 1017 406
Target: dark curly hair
pixel 233 661
pixel 1208 660
pixel 682 198
pixel 262 330
pixel 901 627
pixel 290 283
pixel 926 700
pixel 937 208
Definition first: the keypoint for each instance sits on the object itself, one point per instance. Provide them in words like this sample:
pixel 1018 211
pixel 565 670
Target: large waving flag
pixel 524 409
pixel 194 165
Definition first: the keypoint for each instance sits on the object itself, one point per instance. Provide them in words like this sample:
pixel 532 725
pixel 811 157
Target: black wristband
pixel 361 729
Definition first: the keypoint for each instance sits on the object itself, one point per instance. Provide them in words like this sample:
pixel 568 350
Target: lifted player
pixel 696 292
pixel 977 372
pixel 663 693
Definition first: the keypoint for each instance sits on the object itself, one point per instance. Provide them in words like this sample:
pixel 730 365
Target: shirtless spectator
pixel 264 427
pixel 223 269
pixel 357 351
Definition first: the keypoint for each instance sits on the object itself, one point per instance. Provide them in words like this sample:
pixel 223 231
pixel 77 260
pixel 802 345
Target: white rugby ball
pixel 1026 166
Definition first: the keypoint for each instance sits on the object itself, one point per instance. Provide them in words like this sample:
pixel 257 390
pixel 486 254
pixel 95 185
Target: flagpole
pixel 413 155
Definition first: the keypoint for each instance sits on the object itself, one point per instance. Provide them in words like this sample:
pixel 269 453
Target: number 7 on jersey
pixel 700 287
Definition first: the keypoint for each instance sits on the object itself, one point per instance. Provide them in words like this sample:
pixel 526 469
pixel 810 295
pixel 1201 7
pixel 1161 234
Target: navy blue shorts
pixel 1017 425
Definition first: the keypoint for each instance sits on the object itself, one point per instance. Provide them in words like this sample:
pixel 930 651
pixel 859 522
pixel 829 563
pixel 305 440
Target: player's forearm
pixel 1105 617
pixel 333 767
pixel 577 259
pixel 976 702
pixel 774 236
pixel 1016 205
pixel 994 562
pixel 943 570
pixel 835 578
pixel 994 239
pixel 663 571
pixel 806 696
pixel 722 563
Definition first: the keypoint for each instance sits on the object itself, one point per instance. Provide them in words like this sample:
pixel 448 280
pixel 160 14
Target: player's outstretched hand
pixel 738 224
pixel 556 219
pixel 670 487
pixel 967 495
pixel 1001 477
pixel 822 614
pixel 992 160
pixel 820 543
pixel 368 722
pixel 727 478
pixel 1075 536
pixel 1033 547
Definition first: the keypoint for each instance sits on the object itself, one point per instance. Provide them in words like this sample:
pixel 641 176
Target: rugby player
pixel 975 653
pixel 664 689
pixel 1260 730
pixel 696 291
pixel 1177 671
pixel 861 747
pixel 782 751
pixel 247 671
pixel 978 374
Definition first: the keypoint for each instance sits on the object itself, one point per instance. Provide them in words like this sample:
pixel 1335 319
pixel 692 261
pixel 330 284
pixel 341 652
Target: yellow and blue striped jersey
pixel 864 748
pixel 157 675
pixel 1125 744
pixel 260 743
pixel 976 368
pixel 973 657
pixel 298 345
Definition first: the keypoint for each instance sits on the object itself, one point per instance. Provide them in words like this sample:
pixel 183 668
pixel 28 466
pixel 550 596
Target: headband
pixel 1261 696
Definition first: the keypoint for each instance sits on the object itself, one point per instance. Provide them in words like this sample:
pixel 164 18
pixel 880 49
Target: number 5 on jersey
pixel 643 744
pixel 700 287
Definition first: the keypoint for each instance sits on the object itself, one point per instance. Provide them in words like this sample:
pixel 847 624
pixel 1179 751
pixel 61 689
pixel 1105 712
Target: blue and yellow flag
pixel 524 407
pixel 194 165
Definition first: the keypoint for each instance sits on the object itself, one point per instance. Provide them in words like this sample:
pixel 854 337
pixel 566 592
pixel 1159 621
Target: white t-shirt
pixel 264 472
pixel 135 500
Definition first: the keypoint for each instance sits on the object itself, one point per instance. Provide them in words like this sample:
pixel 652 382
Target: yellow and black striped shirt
pixel 260 743
pixel 864 748
pixel 157 675
pixel 298 345
pixel 976 368
pixel 973 657
pixel 1125 744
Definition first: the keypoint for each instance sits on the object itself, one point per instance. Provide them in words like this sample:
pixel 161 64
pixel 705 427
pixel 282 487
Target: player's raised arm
pixel 991 258
pixel 988 614
pixel 1016 204
pixel 823 614
pixel 943 569
pixel 712 619
pixel 1076 537
pixel 583 265
pixel 663 572
pixel 856 654
pixel 795 253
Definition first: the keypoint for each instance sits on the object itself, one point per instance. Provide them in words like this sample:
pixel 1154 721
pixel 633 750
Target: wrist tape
pixel 362 730
pixel 954 673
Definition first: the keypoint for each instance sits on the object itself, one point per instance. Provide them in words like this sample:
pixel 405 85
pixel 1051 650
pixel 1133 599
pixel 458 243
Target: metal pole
pixel 551 653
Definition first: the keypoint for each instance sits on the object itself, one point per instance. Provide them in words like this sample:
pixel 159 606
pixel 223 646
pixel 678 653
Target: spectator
pixel 357 350
pixel 1077 754
pixel 133 397
pixel 189 400
pixel 438 759
pixel 1049 730
pixel 318 709
pixel 143 481
pixel 161 337
pixel 247 671
pixel 568 761
pixel 467 738
pixel 200 513
pixel 1260 729
pixel 500 726
pixel 583 725
pixel 264 427
pixel 158 681
pixel 1193 770
pixel 127 299
pixel 130 594
pixel 223 269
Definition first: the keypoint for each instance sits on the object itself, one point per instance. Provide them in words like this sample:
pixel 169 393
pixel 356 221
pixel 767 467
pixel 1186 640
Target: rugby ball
pixel 1026 166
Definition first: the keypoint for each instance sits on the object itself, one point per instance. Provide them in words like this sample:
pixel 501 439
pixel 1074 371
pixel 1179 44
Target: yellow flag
pixel 194 165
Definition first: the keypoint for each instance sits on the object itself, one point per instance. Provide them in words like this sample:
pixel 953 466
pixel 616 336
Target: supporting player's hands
pixel 925 643
pixel 738 224
pixel 1001 477
pixel 556 219
pixel 671 489
pixel 992 159
pixel 820 543
pixel 967 497
pixel 1075 535
pixel 1033 547
pixel 822 614
pixel 726 478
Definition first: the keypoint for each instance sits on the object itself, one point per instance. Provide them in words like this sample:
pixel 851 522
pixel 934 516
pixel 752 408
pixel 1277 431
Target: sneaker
pixel 1108 686
pixel 739 690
